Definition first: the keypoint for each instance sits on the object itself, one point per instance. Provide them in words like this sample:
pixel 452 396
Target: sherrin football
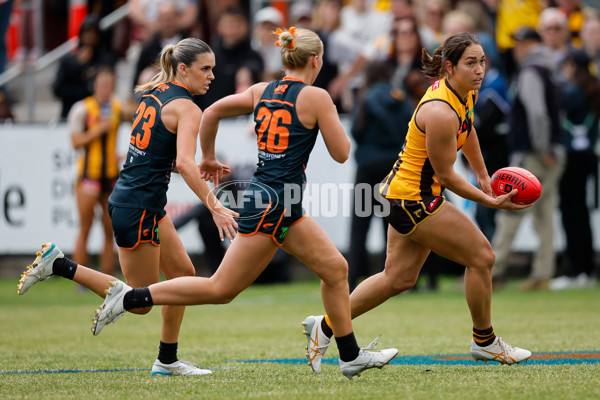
pixel 506 179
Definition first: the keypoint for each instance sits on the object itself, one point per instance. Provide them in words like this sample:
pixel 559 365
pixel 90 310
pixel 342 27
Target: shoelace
pixel 188 363
pixel 505 347
pixel 318 348
pixel 372 345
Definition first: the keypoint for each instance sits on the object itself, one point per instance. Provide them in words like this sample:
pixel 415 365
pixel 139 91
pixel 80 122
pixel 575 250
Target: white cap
pixel 268 14
pixel 300 9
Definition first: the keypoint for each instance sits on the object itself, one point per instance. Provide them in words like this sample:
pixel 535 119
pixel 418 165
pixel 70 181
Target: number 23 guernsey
pixel 144 179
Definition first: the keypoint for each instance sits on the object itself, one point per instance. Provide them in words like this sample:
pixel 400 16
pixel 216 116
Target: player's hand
pixel 485 185
pixel 504 202
pixel 212 170
pixel 224 219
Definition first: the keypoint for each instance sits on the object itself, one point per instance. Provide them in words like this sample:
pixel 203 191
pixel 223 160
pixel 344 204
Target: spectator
pixel 554 29
pixel 581 101
pixel 590 35
pixel 431 14
pixel 402 8
pixel 27 53
pixel 326 21
pixel 379 127
pixel 239 66
pixel 482 22
pixel 266 21
pixel 572 9
pixel 406 52
pixel 534 144
pixel 76 71
pixel 510 16
pixel 301 13
pixel 211 10
pixel 144 14
pixel 363 36
pixel 93 125
pixel 118 36
pixel 167 32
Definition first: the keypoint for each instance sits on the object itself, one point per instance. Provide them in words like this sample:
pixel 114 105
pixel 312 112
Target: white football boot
pixel 178 368
pixel 41 269
pixel 500 352
pixel 367 359
pixel 112 308
pixel 318 342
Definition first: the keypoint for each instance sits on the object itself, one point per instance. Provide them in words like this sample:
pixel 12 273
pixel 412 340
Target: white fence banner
pixel 37 172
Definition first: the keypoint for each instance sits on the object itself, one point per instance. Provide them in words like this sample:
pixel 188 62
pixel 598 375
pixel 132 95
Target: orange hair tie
pixel 292 31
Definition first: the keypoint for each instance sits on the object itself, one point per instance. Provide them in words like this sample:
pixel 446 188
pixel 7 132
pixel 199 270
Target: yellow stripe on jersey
pixel 412 177
pixel 99 160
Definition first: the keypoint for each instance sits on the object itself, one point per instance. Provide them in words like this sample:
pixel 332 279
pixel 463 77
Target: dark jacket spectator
pixel 168 32
pixel 76 71
pixel 238 66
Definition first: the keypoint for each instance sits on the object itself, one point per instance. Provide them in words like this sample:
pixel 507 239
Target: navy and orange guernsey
pixel 412 177
pixel 99 161
pixel 284 144
pixel 144 179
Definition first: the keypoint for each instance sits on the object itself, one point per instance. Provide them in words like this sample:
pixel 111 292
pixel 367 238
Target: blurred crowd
pixel 543 59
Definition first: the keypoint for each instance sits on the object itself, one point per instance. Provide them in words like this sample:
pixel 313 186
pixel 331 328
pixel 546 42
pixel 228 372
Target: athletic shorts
pixel 133 226
pixel 272 221
pixel 95 187
pixel 405 215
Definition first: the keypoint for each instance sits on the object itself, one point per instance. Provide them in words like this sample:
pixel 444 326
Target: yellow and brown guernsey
pixel 412 177
pixel 99 161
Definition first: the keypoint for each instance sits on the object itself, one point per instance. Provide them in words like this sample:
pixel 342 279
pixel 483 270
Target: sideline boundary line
pixel 561 358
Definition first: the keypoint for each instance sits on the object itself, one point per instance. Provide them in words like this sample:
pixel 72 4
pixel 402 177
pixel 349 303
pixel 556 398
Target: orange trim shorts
pixel 273 221
pixel 133 226
pixel 406 215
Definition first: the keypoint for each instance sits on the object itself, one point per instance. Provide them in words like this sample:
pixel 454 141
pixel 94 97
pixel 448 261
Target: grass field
pixel 48 351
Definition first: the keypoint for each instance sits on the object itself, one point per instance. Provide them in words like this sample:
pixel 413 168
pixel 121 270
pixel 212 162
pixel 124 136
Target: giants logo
pixel 280 89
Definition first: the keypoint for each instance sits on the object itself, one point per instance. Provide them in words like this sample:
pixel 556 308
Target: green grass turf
pixel 48 328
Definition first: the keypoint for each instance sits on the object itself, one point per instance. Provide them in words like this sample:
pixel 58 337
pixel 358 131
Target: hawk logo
pixel 280 89
pixel 435 85
pixel 418 213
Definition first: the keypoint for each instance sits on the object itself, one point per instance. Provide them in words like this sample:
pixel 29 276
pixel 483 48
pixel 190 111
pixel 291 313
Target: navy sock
pixel 167 352
pixel 347 347
pixel 64 267
pixel 137 298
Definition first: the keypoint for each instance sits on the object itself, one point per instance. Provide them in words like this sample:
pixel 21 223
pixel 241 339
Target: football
pixel 506 179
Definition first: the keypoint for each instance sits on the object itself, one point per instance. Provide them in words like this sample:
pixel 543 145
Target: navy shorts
pixel 405 215
pixel 272 221
pixel 133 226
